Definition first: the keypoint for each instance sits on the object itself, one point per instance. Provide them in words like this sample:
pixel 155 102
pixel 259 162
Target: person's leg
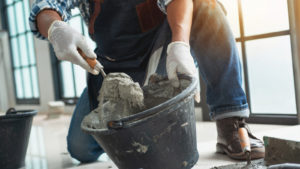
pixel 214 48
pixel 82 146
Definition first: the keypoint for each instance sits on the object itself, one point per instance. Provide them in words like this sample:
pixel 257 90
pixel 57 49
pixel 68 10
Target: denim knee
pixel 84 153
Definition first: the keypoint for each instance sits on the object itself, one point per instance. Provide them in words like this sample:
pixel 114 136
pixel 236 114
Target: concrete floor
pixel 47 147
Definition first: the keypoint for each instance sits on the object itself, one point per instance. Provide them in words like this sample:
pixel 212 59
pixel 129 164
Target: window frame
pixel 5 26
pixel 262 118
pixel 57 73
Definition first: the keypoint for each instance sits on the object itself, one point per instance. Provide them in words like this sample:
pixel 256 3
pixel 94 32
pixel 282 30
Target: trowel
pixel 91 62
pixel 245 143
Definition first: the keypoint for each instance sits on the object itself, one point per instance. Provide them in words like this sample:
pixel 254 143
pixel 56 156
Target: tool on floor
pixel 91 62
pixel 245 142
pixel 284 148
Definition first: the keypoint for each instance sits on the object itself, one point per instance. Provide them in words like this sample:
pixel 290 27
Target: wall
pixel 6 89
pixel 45 80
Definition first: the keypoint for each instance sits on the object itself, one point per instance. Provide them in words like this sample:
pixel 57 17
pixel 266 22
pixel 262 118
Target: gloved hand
pixel 180 60
pixel 65 41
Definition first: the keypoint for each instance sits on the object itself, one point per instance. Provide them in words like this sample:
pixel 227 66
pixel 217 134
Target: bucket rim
pixel 149 112
pixel 19 114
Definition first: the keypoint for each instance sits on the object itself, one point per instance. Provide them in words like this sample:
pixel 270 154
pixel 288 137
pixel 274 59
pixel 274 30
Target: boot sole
pixel 256 153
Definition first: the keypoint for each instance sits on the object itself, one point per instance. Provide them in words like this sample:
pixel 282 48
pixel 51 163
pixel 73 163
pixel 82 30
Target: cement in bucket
pixel 163 137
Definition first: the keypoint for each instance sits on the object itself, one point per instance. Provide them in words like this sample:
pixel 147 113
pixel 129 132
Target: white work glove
pixel 65 41
pixel 180 60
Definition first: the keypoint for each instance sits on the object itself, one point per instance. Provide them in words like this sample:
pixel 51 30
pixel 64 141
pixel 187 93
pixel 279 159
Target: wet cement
pixel 255 164
pixel 120 97
pixel 160 89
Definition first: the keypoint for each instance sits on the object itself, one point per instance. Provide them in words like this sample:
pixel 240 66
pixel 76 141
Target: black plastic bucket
pixel 163 137
pixel 15 129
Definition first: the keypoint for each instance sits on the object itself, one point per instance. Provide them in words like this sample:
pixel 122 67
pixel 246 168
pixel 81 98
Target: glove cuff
pixel 54 24
pixel 177 44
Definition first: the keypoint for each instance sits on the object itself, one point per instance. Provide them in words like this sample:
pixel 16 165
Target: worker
pixel 129 34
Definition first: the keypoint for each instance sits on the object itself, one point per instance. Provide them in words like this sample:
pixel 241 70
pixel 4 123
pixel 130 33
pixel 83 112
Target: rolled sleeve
pixel 162 4
pixel 62 7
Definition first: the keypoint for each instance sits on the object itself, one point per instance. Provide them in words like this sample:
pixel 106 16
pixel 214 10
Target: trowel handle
pixel 91 62
pixel 244 139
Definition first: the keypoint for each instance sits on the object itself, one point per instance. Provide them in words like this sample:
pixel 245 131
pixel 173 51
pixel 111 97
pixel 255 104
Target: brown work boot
pixel 229 142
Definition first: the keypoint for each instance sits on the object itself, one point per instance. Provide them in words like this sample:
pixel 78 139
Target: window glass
pixel 9 2
pixel 91 43
pixel 231 7
pixel 75 11
pixel 67 79
pixel 20 17
pixel 73 86
pixel 34 82
pixel 27 82
pixel 11 20
pixel 76 24
pixel 239 48
pixel 18 82
pixel 31 49
pixel 80 79
pixel 23 50
pixel 271 75
pixel 15 51
pixel 264 16
pixel 27 12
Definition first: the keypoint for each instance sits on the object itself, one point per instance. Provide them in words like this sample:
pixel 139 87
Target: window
pixel 70 79
pixel 262 32
pixel 22 51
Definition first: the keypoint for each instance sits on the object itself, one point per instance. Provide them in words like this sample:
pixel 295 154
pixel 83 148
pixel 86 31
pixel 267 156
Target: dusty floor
pixel 47 147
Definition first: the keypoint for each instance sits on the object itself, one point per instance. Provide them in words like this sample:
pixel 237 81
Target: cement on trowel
pixel 120 97
pixel 255 164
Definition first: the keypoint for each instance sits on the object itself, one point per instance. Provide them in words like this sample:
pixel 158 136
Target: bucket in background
pixel 163 137
pixel 15 129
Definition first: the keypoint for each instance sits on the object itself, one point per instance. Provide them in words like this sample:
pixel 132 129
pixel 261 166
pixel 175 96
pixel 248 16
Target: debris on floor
pixel 255 164
pixel 281 151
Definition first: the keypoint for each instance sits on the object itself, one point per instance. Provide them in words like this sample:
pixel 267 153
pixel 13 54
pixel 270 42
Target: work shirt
pixel 124 30
pixel 63 7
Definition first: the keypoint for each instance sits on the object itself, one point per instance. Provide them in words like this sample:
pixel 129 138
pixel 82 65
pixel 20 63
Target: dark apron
pixel 125 33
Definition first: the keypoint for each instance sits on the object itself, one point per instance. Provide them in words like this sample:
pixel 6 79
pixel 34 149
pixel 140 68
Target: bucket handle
pixel 116 124
pixel 11 111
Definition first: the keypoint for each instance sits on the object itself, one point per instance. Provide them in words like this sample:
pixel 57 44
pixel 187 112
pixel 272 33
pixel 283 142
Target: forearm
pixel 179 15
pixel 44 20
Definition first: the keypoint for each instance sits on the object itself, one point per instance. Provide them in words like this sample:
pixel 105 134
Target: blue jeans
pixel 213 47
pixel 82 146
